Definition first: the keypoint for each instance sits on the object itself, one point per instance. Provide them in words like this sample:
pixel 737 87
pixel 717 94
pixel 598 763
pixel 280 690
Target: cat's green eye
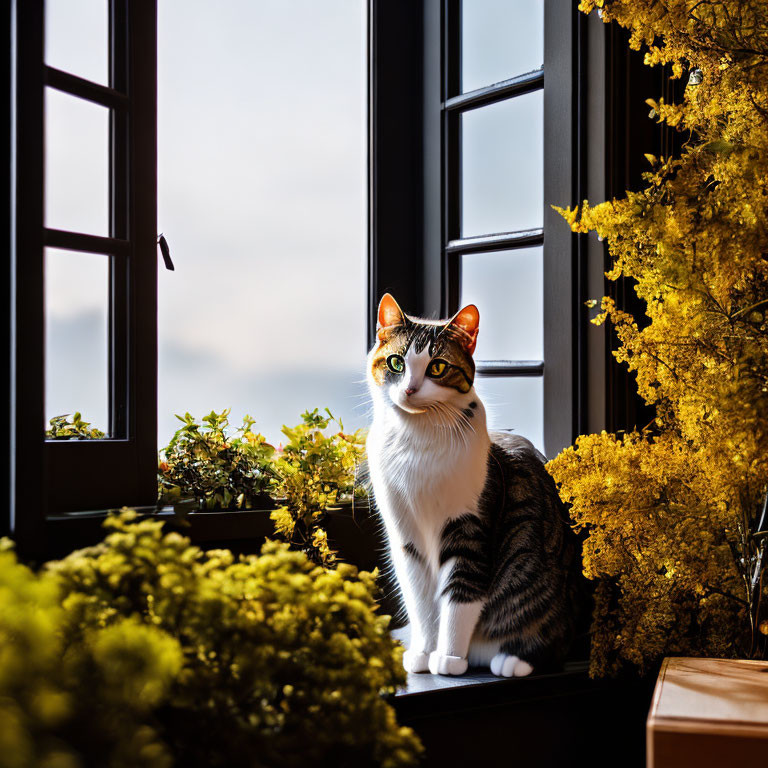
pixel 436 368
pixel 396 364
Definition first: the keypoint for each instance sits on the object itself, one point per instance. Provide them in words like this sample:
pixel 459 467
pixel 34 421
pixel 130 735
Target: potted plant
pixel 204 467
pixel 62 428
pixel 207 467
pixel 316 472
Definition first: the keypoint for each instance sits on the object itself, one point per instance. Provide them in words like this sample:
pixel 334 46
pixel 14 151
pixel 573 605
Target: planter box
pixel 354 531
pixel 708 713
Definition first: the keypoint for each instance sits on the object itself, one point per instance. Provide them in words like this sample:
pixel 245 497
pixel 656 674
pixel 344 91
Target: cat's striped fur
pixel 487 564
pixel 519 555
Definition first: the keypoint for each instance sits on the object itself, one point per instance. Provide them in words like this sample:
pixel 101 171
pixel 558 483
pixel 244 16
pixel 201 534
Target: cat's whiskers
pixel 455 431
pixel 437 408
pixel 450 420
pixel 464 419
pixel 438 418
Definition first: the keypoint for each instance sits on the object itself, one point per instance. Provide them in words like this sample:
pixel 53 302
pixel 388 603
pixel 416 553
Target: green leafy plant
pixel 62 429
pixel 207 467
pixel 188 658
pixel 314 471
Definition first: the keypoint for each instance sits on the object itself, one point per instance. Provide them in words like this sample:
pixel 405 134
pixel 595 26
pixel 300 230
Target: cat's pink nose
pixel 410 390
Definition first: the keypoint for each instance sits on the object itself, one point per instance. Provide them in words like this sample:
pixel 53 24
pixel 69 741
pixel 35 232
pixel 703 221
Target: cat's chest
pixel 425 482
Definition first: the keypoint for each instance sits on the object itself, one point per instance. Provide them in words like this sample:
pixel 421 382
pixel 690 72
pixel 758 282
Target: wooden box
pixel 709 713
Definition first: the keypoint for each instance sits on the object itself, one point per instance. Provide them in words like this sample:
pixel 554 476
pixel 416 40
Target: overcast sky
pixel 262 197
pixel 261 174
pixel 261 148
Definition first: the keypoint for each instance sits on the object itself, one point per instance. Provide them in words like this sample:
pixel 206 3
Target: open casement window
pixel 493 176
pixel 467 159
pixel 83 246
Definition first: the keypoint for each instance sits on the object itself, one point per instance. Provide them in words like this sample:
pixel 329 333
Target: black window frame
pixel 595 87
pixel 414 243
pixel 52 477
pixel 455 104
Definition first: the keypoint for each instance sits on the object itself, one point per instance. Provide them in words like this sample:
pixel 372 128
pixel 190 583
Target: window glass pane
pixel 77 38
pixel 262 197
pixel 508 289
pixel 515 403
pixel 76 164
pixel 500 39
pixel 76 335
pixel 502 166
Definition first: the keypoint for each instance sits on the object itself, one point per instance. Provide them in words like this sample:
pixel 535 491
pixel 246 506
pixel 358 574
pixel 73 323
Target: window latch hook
pixel 166 251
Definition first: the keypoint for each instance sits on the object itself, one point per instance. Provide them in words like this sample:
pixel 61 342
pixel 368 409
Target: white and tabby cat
pixel 486 562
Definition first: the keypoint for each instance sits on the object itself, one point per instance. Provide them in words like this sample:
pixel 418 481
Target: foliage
pixel 84 698
pixel 672 511
pixel 207 468
pixel 144 650
pixel 77 429
pixel 315 471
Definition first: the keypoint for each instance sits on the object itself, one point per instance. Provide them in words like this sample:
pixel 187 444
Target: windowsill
pixel 163 512
pixel 498 709
pixel 419 684
pixel 546 720
pixel 484 687
pixel 346 508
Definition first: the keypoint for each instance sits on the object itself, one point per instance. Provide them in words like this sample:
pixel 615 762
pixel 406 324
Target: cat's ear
pixel 467 323
pixel 389 312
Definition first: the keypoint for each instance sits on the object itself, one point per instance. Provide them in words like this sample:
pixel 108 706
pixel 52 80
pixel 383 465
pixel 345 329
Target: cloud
pixel 262 197
pixel 194 381
pixel 262 181
pixel 76 366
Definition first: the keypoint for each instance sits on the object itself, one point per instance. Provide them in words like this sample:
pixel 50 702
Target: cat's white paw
pixel 416 661
pixel 447 665
pixel 505 665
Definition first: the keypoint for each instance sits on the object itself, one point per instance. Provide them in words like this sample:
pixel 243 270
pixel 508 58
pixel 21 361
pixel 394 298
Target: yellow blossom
pixel 667 510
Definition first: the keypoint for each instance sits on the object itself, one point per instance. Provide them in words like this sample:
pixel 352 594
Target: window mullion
pixel 515 86
pixel 561 312
pixel 28 471
pixel 142 233
pixel 119 189
pixel 85 89
pixel 496 242
pixel 510 367
pixel 77 241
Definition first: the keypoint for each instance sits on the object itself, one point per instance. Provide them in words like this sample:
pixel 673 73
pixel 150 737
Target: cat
pixel 487 564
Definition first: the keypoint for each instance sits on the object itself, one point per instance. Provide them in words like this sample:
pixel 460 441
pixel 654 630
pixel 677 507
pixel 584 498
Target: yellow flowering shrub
pixel 314 470
pixel 148 651
pixel 672 513
pixel 70 702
